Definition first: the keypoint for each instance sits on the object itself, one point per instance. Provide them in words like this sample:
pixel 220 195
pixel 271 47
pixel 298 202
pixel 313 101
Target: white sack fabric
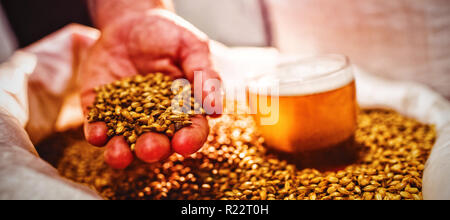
pixel 33 83
pixel 48 72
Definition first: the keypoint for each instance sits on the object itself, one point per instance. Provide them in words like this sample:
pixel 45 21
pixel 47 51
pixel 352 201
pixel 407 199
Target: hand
pixel 155 41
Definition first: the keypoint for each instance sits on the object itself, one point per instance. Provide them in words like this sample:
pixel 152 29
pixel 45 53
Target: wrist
pixel 104 12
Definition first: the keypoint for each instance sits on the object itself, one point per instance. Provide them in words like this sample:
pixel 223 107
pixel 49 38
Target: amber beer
pixel 316 115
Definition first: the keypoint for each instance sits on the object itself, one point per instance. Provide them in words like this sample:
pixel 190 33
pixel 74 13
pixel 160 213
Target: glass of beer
pixel 306 110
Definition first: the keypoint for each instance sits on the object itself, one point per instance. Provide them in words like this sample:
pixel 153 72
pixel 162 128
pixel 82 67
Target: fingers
pixel 118 154
pixel 96 133
pixel 207 83
pixel 153 147
pixel 190 139
pixel 150 147
pixel 213 100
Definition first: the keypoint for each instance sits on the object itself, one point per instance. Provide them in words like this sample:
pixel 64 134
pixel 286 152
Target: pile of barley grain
pixel 235 165
pixel 139 104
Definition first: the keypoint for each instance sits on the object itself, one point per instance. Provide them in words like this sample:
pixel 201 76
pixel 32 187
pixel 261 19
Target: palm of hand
pixel 140 44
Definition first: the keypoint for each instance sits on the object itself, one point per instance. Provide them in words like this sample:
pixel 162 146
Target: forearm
pixel 106 11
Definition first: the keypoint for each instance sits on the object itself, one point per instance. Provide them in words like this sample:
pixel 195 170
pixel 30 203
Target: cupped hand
pixel 155 41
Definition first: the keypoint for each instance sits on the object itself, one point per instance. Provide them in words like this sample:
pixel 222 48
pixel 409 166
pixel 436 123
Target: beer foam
pixel 309 76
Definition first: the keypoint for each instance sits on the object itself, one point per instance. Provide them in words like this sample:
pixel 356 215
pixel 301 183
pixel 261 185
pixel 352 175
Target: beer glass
pixel 312 115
